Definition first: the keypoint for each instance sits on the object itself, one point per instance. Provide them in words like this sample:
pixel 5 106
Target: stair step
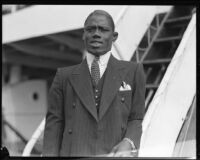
pixel 178 19
pixel 156 61
pixel 167 39
pixel 151 86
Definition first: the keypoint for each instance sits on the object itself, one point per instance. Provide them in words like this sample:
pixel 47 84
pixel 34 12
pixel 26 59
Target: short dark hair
pixel 101 12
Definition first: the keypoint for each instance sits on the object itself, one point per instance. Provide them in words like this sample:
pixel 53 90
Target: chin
pixel 96 53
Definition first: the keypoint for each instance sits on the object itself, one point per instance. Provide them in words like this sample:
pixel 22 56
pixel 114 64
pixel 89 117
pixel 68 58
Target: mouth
pixel 95 43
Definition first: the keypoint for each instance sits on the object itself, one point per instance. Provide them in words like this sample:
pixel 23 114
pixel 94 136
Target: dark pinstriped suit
pixel 73 127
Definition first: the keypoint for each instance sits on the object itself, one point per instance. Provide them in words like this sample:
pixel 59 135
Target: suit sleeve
pixel 54 118
pixel 134 128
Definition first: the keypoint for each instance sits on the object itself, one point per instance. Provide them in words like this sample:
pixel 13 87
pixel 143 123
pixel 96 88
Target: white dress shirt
pixel 103 61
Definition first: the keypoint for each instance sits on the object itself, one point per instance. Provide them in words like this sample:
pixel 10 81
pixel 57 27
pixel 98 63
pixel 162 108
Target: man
pixel 96 108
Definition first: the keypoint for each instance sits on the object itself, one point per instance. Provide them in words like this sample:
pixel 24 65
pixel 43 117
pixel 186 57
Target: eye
pixel 88 29
pixel 103 29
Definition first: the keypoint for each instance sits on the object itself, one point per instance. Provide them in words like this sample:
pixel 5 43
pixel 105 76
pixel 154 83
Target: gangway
pixel 175 97
pixel 159 44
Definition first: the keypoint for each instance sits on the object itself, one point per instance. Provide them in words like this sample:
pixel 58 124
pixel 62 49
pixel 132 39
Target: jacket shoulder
pixel 129 64
pixel 66 71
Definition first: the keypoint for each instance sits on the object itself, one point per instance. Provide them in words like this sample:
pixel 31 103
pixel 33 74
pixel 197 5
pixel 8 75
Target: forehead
pixel 98 19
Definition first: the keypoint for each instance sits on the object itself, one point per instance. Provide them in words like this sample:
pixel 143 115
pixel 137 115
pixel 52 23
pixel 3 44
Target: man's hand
pixel 122 149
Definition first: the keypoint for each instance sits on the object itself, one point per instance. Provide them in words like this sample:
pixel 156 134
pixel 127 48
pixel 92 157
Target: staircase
pixel 159 44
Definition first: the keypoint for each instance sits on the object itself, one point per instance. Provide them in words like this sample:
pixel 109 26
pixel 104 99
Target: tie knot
pixel 96 58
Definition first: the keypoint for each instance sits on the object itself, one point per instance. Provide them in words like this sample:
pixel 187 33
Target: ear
pixel 115 36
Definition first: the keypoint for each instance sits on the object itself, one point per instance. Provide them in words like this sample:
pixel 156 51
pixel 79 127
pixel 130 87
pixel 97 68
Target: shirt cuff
pixel 131 142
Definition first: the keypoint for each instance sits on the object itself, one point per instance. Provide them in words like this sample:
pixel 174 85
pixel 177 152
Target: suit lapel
pixel 82 85
pixel 112 83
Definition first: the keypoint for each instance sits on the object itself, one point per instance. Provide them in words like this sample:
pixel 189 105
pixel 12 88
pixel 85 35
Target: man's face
pixel 98 34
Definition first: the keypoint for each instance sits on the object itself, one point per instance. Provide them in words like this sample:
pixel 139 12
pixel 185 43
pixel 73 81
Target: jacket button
pixel 122 99
pixel 74 105
pixel 70 131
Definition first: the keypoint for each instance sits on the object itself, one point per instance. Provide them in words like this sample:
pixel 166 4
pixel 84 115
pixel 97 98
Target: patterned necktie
pixel 95 71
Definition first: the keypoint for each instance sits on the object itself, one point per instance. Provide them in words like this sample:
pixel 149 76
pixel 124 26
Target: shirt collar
pixel 103 59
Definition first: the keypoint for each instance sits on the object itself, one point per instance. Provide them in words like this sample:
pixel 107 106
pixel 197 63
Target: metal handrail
pixel 34 138
pixel 5 122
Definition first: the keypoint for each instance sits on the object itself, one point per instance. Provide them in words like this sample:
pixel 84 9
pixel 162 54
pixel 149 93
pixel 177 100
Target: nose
pixel 96 33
